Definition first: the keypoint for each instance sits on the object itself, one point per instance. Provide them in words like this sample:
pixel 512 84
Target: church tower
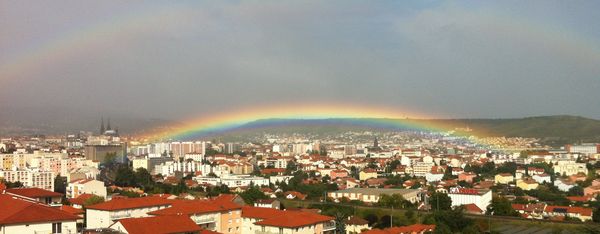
pixel 102 126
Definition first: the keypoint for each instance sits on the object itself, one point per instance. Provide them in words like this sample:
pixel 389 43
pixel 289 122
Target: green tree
pixel 440 201
pixel 252 194
pixel 93 200
pixel 60 184
pixel 501 206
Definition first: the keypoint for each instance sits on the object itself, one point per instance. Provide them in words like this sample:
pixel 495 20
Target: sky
pixel 176 60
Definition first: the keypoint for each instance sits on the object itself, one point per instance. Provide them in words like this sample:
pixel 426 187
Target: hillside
pixel 551 129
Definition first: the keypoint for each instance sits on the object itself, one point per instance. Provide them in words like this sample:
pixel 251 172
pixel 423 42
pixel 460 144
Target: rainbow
pixel 379 117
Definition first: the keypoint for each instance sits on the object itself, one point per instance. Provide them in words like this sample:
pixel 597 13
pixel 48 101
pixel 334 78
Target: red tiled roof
pixel 15 211
pixel 415 228
pixel 189 207
pixel 33 192
pixel 473 208
pixel 160 225
pixel 71 210
pixel 129 203
pixel 570 209
pixel 281 218
pixel 80 199
pixel 355 220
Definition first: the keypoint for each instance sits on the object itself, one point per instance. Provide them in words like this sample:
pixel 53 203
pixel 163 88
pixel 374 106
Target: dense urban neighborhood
pixel 356 182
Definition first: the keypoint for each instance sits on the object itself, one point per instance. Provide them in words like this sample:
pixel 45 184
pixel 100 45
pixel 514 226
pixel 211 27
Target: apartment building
pixel 86 186
pixel 105 214
pixel 31 178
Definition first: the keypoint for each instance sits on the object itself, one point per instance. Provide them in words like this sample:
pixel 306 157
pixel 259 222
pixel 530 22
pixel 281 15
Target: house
pixel 78 187
pixel 591 190
pixel 338 174
pixel 533 211
pixel 266 220
pixel 294 195
pixel 411 229
pixel 36 194
pixel 569 168
pixel 564 184
pixel 482 198
pixel 26 216
pixel 581 213
pixel 356 225
pixel 172 224
pixel 268 203
pixel 467 177
pixel 105 214
pixel 542 178
pixel 504 178
pixel 372 195
pixel 367 173
pixel 434 176
pixel 473 209
pixel 527 184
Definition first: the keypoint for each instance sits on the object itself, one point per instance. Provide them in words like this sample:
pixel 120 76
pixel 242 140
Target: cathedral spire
pixel 102 125
pixel 108 124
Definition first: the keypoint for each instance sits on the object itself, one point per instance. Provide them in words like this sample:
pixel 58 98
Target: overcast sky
pixel 180 59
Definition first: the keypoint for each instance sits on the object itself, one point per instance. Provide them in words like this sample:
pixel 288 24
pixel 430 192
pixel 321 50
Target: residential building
pixel 175 224
pixel 22 216
pixel 527 184
pixel 569 168
pixel 105 214
pixel 36 194
pixel 356 225
pixel 482 198
pixel 78 187
pixel 504 178
pixel 31 178
pixel 372 195
pixel 273 221
pixel 367 173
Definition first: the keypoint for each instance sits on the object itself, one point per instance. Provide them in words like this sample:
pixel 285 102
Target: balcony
pixel 203 220
pixel 64 231
pixel 119 216
pixel 329 226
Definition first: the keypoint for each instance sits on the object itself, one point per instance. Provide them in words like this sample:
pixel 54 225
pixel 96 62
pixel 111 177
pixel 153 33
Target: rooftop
pixel 15 211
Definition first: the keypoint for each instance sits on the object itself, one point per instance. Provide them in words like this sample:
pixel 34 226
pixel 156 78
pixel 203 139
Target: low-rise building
pixel 482 198
pixel 78 187
pixel 273 221
pixel 527 184
pixel 159 225
pixel 22 216
pixel 372 195
pixel 105 214
pixel 504 178
pixel 37 194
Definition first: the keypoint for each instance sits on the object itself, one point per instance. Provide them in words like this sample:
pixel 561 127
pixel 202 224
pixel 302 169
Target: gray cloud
pixel 186 59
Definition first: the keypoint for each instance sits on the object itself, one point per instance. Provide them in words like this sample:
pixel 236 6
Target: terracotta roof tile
pixel 129 203
pixel 16 211
pixel 160 225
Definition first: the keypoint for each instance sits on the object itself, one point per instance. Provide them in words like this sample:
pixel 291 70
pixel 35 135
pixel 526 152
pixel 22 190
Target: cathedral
pixel 108 131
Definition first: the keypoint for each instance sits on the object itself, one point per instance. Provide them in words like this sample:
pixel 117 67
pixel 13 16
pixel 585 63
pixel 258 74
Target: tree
pixel 501 206
pixel 60 184
pixel 575 191
pixel 125 176
pixel 252 194
pixel 290 168
pixel 440 201
pixel 93 200
pixel 442 229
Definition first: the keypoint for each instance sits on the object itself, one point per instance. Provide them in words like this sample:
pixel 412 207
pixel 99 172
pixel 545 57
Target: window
pixel 56 227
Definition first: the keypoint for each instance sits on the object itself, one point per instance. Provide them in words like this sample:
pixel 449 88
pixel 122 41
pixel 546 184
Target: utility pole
pixel 392 217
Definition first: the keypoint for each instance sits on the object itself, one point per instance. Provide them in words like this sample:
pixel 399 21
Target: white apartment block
pixel 569 168
pixel 31 178
pixel 233 181
pixel 482 198
pixel 78 187
pixel 422 168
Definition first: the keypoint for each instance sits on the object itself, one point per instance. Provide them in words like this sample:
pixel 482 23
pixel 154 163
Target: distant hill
pixel 551 129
